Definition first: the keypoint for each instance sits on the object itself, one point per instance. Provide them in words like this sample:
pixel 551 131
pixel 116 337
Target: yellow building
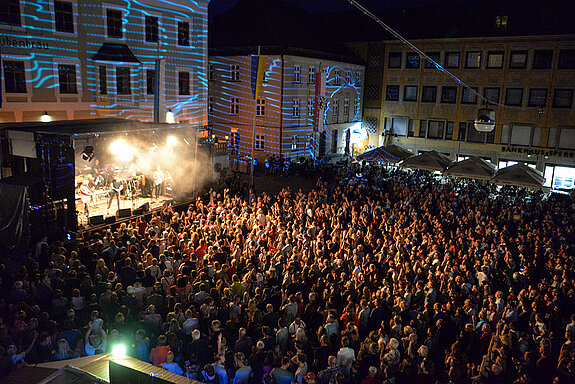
pixel 530 80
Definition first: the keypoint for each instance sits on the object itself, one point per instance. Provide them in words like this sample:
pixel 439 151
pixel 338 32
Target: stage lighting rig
pixel 88 153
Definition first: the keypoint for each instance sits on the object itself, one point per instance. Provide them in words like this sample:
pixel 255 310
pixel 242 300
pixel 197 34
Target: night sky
pixel 328 6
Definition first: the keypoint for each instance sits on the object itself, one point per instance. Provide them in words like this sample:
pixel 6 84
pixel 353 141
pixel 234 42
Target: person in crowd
pixel 170 365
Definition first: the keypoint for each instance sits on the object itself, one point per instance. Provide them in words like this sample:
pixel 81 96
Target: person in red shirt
pixel 142 226
pixel 158 355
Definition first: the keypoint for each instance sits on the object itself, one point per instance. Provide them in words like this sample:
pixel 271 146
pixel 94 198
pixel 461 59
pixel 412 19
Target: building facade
pixel 284 114
pixel 530 82
pixel 72 59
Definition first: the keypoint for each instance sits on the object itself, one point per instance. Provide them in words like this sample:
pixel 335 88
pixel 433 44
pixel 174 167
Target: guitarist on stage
pixel 158 182
pixel 117 187
pixel 86 196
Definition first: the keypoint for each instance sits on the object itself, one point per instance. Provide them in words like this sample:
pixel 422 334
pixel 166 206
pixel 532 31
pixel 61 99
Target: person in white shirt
pixel 345 356
pixel 295 325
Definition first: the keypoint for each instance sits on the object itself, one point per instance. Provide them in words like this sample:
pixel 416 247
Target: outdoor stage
pixel 57 166
pixel 100 214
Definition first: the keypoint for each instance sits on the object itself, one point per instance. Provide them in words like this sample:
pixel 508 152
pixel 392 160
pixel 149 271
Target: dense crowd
pixel 398 279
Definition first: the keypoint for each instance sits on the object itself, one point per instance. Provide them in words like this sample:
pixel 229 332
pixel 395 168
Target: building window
pixel 348 77
pixel 542 59
pixel 64 16
pixel 310 108
pixel 412 61
pixel 435 129
pixel 67 78
pixel 123 84
pixel 295 108
pixel 355 107
pixel 435 57
pixel 14 77
pixel 394 60
pixel 114 23
pixel 410 93
pixel 473 135
pixel 235 72
pixel 411 128
pixel 537 98
pixel 423 128
pixel 211 104
pixel 473 60
pixel 495 59
pixel 260 107
pixel 562 98
pixel 152 28
pixel 452 59
pixel 429 94
pixel 259 142
pixel 492 94
pixel 514 96
pixel 501 21
pixel 449 130
pixel 462 131
pixel 311 75
pixel 150 81
pixel 335 107
pixel 184 83
pixel 346 107
pixel 297 74
pixel 392 93
pixel 334 135
pixel 358 77
pixel 518 60
pixel 10 12
pixel 337 78
pixel 566 59
pixel 211 73
pixel 235 105
pixel 103 76
pixel 183 33
pixel 449 95
pixel 468 96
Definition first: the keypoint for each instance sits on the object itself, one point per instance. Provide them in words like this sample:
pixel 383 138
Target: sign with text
pixel 539 152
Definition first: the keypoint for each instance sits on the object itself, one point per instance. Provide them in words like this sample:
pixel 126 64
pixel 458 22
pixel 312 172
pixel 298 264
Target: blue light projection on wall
pixel 42 49
pixel 288 124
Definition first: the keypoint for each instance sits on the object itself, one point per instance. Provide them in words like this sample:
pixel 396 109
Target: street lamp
pixel 46 118
pixel 485 121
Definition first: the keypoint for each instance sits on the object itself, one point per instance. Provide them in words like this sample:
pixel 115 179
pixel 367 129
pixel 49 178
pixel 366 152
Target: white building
pixel 74 59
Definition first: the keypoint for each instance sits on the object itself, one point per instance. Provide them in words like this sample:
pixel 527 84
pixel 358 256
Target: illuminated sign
pixel 6 41
pixel 539 152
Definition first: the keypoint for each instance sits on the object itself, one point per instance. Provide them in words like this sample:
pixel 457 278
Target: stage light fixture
pixel 119 350
pixel 170 117
pixel 172 140
pixel 122 150
pixel 88 153
pixel 46 118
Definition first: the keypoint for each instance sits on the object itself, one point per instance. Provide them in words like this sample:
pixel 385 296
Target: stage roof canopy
pixel 88 126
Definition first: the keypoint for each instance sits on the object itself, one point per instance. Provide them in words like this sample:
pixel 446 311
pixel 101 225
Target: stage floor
pixel 99 207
